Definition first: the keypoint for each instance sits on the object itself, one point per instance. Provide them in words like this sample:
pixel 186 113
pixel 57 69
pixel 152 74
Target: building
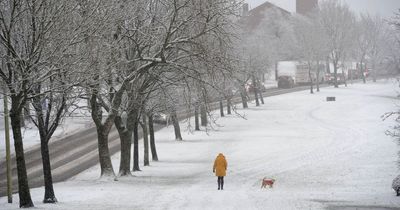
pixel 266 15
pixel 252 18
pixel 305 6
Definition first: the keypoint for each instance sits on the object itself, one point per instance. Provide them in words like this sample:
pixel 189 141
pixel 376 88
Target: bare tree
pixel 378 34
pixel 336 19
pixel 29 49
pixel 363 44
pixel 311 45
pixel 170 48
pixel 392 56
pixel 14 16
pixel 260 45
pixel 50 108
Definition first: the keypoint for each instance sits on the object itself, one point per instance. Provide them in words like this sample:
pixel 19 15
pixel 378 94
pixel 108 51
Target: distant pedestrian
pixel 220 166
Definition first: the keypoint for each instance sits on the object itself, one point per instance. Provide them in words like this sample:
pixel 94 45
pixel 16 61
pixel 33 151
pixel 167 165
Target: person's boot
pixel 219 184
pixel 222 185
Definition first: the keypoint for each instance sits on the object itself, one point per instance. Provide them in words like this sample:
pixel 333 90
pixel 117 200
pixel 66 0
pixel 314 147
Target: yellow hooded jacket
pixel 220 165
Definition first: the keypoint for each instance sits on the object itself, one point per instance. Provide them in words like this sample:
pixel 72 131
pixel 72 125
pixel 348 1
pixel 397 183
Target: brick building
pixel 305 6
pixel 251 19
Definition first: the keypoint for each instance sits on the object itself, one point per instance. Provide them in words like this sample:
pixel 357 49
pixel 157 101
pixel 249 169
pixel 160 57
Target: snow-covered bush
pixel 396 185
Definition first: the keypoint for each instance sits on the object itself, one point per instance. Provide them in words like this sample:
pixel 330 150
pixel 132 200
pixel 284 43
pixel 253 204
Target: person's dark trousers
pixel 220 182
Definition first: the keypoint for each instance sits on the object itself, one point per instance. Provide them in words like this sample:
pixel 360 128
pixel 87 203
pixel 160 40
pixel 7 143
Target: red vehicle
pixel 366 72
pixel 330 78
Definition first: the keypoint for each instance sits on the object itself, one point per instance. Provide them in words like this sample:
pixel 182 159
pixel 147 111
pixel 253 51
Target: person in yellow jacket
pixel 220 166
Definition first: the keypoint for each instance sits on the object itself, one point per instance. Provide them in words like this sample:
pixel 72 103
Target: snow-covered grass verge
pixel 322 155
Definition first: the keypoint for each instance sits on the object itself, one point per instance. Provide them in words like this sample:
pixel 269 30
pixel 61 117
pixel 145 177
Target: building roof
pixel 256 15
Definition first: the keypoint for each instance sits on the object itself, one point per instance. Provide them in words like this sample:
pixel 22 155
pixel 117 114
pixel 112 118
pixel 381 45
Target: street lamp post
pixel 7 139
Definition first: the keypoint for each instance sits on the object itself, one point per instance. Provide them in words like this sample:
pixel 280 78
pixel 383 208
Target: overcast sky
pixel 385 8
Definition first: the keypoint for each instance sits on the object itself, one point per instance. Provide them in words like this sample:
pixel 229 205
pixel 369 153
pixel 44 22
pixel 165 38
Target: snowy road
pixel 323 155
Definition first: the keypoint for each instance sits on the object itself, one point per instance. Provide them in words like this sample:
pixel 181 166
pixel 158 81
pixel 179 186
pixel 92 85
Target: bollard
pixel 330 98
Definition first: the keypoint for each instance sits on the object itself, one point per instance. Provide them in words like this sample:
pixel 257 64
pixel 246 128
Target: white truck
pixel 301 75
pixel 298 71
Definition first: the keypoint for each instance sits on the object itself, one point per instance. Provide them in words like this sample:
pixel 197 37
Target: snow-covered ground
pixel 322 154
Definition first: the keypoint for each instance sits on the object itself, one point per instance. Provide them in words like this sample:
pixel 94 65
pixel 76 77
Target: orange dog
pixel 267 182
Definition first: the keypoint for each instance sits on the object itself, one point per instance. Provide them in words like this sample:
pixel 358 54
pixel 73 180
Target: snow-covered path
pixel 322 155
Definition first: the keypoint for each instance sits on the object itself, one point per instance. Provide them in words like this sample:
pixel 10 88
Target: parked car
pixel 285 82
pixel 330 78
pixel 161 118
pixel 250 87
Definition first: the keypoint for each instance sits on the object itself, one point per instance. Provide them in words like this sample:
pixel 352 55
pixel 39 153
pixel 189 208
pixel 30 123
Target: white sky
pixel 385 8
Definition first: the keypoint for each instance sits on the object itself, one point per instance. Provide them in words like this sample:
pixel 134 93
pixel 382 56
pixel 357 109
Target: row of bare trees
pixel 334 33
pixel 331 33
pixel 131 60
pixel 128 59
pixel 37 67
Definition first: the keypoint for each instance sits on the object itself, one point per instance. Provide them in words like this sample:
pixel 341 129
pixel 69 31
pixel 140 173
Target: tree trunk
pixel 125 137
pixel 373 71
pixel 25 200
pixel 132 126
pixel 228 105
pixel 318 73
pixel 22 121
pixel 49 196
pixel 196 117
pixel 203 115
pixel 103 129
pixel 335 73
pixel 145 142
pixel 351 74
pixel 255 89
pixel 7 145
pixel 263 77
pixel 177 129
pixel 27 113
pixel 259 89
pixel 221 108
pixel 362 71
pixel 310 78
pixel 261 97
pixel 244 100
pixel 154 155
pixel 135 146
pixel 328 67
pixel 104 152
